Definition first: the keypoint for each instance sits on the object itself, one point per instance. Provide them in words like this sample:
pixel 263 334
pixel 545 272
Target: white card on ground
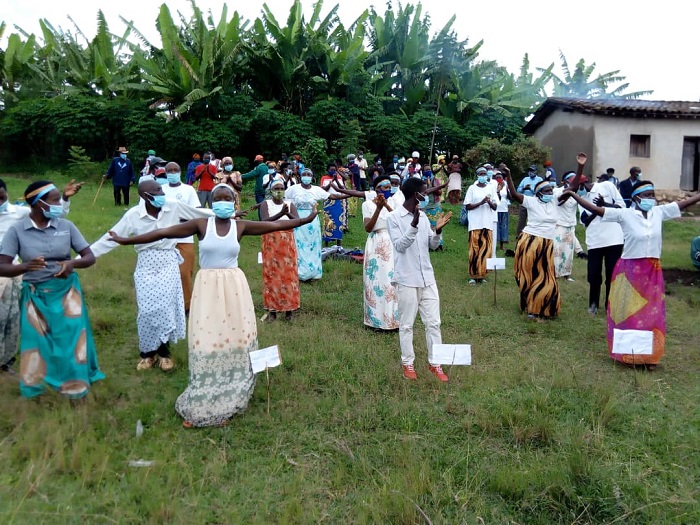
pixel 452 354
pixel 259 257
pixel 265 358
pixel 496 263
pixel 637 342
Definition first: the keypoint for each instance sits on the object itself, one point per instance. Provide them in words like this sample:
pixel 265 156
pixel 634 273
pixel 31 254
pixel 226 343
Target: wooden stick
pixel 495 273
pixel 98 191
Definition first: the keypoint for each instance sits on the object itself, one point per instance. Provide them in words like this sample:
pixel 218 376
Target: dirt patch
pixel 683 277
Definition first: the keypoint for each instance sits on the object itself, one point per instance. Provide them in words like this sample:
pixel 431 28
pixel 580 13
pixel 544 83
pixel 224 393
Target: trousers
pixel 596 257
pixel 412 301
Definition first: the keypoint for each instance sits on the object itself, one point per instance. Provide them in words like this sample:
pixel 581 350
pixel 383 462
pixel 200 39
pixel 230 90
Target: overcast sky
pixel 656 49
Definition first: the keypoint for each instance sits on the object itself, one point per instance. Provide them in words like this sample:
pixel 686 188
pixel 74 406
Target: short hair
pixel 411 186
pixel 610 171
pixel 635 169
pixel 380 178
pixel 3 186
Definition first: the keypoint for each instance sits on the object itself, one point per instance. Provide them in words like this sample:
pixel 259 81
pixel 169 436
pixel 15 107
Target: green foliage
pixel 518 156
pixel 81 167
pixel 315 154
pixel 277 132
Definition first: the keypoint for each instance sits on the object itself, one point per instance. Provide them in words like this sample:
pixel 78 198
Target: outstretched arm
pixel 263 227
pixel 595 210
pixel 517 197
pixel 573 185
pixel 179 231
pixel 689 201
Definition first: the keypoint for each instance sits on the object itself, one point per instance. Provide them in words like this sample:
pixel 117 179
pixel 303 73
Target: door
pixel 690 164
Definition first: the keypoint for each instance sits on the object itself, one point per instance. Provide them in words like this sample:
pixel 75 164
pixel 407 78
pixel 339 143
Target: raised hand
pixel 416 217
pixel 71 189
pixel 116 238
pixel 285 209
pixel 379 200
pixel 504 170
pixel 442 220
pixel 581 159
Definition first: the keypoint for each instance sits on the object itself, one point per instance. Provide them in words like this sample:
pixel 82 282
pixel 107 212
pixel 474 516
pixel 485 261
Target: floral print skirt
pixel 381 305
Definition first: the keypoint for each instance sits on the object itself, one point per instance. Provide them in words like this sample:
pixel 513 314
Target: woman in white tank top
pixel 222 329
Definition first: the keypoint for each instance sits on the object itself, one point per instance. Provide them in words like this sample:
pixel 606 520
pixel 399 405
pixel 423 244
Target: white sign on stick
pixel 452 354
pixel 259 257
pixel 265 358
pixel 637 342
pixel 496 263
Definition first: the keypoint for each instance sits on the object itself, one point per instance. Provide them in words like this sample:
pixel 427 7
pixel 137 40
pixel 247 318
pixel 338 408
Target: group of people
pixel 42 294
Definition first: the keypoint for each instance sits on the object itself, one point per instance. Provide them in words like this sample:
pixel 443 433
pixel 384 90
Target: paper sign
pixel 496 263
pixel 266 358
pixel 452 354
pixel 259 257
pixel 637 342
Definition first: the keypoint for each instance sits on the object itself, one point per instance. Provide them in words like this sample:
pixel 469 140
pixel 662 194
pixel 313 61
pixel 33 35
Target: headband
pixel 642 189
pixel 277 182
pixel 223 185
pixel 38 193
pixel 395 176
pixel 541 185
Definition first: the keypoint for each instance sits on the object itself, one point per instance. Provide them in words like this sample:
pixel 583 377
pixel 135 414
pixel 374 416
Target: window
pixel 640 146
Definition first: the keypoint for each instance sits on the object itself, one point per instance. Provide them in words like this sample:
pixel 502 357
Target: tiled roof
pixel 615 107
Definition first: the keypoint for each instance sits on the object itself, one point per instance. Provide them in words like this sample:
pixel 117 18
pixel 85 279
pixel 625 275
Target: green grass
pixel 543 428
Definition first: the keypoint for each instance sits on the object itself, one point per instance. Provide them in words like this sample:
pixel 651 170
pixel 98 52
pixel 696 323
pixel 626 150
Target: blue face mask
pixel 157 201
pixel 223 209
pixel 123 156
pixel 173 178
pixel 582 192
pixel 546 198
pixel 387 193
pixel 331 172
pixel 423 204
pixel 395 159
pixel 552 183
pixel 394 189
pixel 228 167
pixel 162 181
pixel 271 171
pixel 489 173
pixel 306 180
pixel 646 204
pixel 54 211
pixel 3 206
pixel 483 179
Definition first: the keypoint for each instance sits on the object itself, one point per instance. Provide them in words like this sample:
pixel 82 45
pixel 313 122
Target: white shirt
pixel 137 221
pixel 185 194
pixel 362 164
pixel 541 217
pixel 368 209
pixel 503 202
pixel 566 213
pixel 642 235
pixel 412 265
pixel 482 217
pixel 600 234
pixel 303 198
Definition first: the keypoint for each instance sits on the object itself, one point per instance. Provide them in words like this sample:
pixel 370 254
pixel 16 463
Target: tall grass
pixel 543 428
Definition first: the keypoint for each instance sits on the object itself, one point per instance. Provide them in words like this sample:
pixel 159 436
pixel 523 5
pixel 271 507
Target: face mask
pixel 483 179
pixel 306 180
pixel 552 183
pixel 546 198
pixel 228 167
pixel 223 209
pixel 54 211
pixel 638 176
pixel 359 156
pixel 123 156
pixel 489 173
pixel 394 189
pixel 277 194
pixel 162 181
pixel 386 193
pixel 582 192
pixel 395 159
pixel 271 171
pixel 3 206
pixel 646 204
pixel 157 201
pixel 423 204
pixel 331 172
pixel 402 166
pixel 174 178
pixel 379 163
pixel 532 174
pixel 206 160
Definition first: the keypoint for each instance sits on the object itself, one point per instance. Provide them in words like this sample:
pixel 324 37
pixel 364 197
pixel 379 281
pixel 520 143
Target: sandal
pixel 187 424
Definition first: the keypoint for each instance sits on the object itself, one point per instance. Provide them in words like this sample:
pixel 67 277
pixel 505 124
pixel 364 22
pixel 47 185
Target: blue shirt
pixel 529 181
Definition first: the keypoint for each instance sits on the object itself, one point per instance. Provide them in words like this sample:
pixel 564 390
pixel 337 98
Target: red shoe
pixel 437 372
pixel 409 372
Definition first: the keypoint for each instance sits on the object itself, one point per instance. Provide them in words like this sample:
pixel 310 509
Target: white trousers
pixel 427 302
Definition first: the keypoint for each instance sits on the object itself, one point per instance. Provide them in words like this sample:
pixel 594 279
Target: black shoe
pixel 582 255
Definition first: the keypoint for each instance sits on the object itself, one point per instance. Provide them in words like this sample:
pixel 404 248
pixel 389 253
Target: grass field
pixel 543 427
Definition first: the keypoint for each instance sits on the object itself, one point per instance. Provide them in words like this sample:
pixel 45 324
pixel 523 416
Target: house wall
pixel 606 140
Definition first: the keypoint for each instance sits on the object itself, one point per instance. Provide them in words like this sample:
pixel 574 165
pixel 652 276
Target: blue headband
pixel 39 193
pixel 642 189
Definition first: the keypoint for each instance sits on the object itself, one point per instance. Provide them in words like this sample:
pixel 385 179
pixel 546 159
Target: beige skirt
pixel 222 332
